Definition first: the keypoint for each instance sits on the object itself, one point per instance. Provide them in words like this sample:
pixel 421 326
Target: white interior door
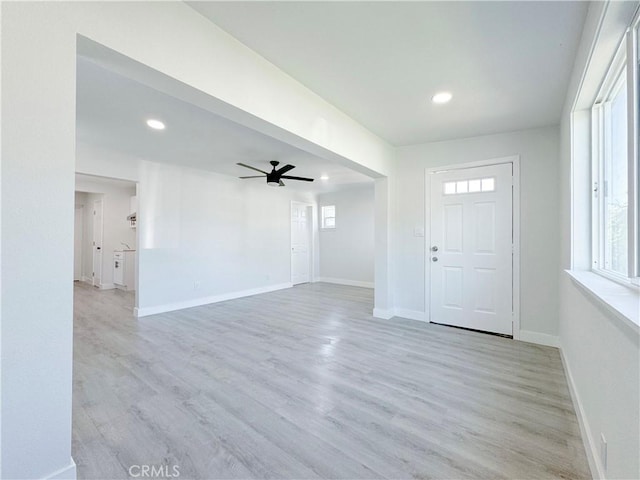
pixel 77 242
pixel 97 243
pixel 300 244
pixel 471 251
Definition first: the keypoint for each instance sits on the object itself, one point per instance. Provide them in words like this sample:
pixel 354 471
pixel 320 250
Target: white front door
pixel 471 251
pixel 97 243
pixel 300 244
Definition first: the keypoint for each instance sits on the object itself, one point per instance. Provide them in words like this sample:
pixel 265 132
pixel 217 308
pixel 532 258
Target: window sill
pixel 623 302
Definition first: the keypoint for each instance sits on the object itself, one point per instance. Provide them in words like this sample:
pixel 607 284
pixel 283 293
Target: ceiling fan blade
pixel 281 183
pixel 254 176
pixel 252 168
pixel 285 169
pixel 297 178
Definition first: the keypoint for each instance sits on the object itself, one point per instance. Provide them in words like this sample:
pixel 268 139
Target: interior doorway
pixel 96 243
pixel 301 243
pixel 471 254
pixel 78 233
pixel 106 236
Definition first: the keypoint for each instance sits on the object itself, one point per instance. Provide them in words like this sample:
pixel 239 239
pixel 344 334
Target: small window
pixel 328 216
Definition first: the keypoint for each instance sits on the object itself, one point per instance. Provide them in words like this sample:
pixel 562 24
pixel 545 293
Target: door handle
pixel 97 248
pixel 434 248
pixel 434 259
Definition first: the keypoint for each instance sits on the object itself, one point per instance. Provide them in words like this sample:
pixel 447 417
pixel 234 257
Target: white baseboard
pixel 590 446
pixel 343 281
pixel 65 473
pixel 539 338
pixel 196 302
pixel 107 286
pixel 386 314
pixel 410 314
pixel 382 313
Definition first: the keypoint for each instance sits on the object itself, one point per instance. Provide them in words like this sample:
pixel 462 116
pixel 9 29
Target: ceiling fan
pixel 274 178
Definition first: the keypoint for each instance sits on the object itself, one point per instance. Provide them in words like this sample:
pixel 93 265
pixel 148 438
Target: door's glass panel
pixel 449 188
pixel 474 186
pixel 470 186
pixel 488 184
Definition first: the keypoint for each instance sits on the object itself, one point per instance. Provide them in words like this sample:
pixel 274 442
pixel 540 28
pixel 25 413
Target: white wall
pixel 115 230
pixel 601 353
pixel 347 251
pixel 538 150
pixel 205 236
pixel 38 150
pixel 202 236
pixel 38 125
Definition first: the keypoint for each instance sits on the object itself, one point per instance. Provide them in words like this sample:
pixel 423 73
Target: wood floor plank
pixel 305 383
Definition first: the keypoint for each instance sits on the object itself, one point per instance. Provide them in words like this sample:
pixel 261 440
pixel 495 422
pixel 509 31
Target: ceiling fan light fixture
pixel 273 183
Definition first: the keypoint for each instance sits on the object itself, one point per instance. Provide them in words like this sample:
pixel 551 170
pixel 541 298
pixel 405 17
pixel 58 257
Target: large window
pixel 615 166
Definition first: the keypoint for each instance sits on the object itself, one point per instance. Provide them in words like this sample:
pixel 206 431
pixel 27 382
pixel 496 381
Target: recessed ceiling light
pixel 441 97
pixel 324 177
pixel 155 124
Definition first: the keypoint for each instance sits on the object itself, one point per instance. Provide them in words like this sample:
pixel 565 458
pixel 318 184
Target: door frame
pixel 312 244
pixel 515 161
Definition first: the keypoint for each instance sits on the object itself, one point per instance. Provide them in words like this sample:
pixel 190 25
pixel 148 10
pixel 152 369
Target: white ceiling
pixel 506 63
pixel 112 110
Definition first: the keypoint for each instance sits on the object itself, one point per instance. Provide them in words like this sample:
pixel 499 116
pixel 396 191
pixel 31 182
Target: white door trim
pixel 312 246
pixel 515 161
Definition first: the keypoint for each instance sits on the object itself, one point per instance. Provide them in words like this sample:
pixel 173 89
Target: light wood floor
pixel 304 383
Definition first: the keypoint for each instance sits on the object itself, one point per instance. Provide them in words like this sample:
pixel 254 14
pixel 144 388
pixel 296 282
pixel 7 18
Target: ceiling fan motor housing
pixel 273 179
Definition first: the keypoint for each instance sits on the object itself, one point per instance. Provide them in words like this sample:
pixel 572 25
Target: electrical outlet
pixel 603 451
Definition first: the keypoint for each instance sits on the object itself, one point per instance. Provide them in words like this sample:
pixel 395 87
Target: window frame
pixel 323 225
pixel 633 79
pixel 625 66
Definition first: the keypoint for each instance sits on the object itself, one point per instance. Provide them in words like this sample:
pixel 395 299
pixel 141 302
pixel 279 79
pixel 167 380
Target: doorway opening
pixel 302 244
pixel 105 238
